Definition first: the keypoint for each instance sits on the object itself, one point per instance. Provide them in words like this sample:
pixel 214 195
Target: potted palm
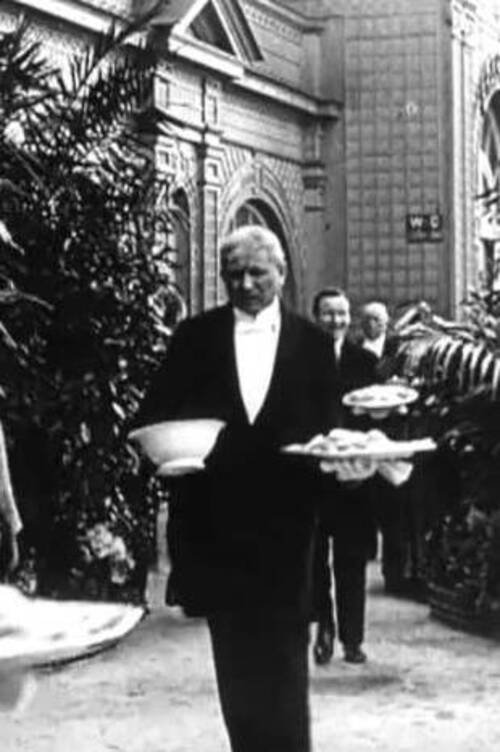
pixel 463 544
pixel 458 372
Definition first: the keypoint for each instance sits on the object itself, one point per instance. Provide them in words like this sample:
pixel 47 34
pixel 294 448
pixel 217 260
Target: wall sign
pixel 424 228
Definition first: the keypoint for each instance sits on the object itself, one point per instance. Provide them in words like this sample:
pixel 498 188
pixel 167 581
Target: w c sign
pixel 424 228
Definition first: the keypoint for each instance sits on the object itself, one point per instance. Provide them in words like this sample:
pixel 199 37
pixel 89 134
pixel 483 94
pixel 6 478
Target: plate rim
pixel 402 452
pixel 412 396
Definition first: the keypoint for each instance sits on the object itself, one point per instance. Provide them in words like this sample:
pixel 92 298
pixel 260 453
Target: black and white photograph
pixel 250 375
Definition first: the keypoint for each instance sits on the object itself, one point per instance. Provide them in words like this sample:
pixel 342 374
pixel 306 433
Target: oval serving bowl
pixel 174 440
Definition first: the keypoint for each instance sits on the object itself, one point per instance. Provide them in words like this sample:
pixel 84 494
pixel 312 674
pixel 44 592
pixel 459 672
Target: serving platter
pixel 38 631
pixel 382 397
pixel 399 450
pixel 344 444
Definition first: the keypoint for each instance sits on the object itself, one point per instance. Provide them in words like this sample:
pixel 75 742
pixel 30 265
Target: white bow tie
pixel 255 327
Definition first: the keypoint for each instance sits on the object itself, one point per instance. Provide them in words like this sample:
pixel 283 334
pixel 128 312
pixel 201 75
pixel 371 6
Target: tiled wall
pixel 393 159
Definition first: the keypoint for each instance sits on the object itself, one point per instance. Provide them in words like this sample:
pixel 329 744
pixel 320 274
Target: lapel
pixel 283 364
pixel 225 354
pixel 348 366
pixel 228 372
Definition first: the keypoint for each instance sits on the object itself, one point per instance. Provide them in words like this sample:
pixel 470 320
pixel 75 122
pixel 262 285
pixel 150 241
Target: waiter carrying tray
pixel 241 530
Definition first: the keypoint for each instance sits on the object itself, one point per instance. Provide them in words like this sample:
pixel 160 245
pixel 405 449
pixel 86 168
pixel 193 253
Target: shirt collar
pixel 269 317
pixel 376 345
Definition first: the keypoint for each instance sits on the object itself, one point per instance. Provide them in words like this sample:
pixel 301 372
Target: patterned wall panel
pixel 260 125
pixel 185 95
pixel 392 147
pixel 277 183
pixel 180 161
pixel 289 175
pixel 280 43
pixel 211 236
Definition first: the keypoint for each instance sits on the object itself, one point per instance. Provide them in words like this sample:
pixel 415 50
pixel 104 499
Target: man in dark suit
pixel 241 532
pixel 377 338
pixel 349 521
pixel 396 516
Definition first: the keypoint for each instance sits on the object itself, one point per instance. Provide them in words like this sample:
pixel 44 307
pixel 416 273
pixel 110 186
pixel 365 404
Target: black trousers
pixel 391 509
pixel 349 571
pixel 261 667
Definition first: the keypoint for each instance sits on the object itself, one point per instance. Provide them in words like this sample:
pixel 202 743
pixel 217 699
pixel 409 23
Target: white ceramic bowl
pixel 174 440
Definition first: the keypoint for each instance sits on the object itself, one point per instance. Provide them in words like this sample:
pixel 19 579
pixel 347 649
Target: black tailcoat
pixel 241 532
pixel 350 518
pixel 356 368
pixel 387 362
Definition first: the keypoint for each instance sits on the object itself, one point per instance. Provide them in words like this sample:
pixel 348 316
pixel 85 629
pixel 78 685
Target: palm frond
pixel 24 71
pixel 104 85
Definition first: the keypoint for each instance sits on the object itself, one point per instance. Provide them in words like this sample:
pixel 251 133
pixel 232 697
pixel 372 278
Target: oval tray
pixel 395 450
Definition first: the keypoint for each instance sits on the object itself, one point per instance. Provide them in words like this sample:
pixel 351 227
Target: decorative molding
pixel 191 49
pixel 291 16
pixel 210 167
pixel 73 12
pixel 226 19
pixel 182 169
pixel 463 20
pixel 278 24
pixel 211 102
pixel 231 18
pixel 295 99
pixel 239 29
pixel 314 180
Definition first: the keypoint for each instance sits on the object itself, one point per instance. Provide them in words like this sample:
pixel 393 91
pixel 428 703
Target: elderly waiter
pixel 241 531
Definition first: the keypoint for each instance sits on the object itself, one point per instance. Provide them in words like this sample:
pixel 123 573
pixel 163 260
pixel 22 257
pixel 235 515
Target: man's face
pixel 374 324
pixel 252 278
pixel 334 315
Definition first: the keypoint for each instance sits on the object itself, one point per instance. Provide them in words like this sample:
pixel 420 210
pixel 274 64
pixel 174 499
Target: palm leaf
pixel 450 357
pixel 24 71
pixel 103 87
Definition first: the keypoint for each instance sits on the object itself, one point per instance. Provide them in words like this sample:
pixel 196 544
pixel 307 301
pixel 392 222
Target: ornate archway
pixel 256 212
pixel 255 196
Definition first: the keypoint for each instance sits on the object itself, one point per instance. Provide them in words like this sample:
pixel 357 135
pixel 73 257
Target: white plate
pixel 37 631
pixel 380 397
pixel 393 451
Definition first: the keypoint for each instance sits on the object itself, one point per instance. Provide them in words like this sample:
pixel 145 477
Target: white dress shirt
pixel 375 345
pixel 255 343
pixel 338 344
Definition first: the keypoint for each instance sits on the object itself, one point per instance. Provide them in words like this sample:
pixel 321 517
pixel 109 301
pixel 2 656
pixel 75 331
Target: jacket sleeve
pixel 169 386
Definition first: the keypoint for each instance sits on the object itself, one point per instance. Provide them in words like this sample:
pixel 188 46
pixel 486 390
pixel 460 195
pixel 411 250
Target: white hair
pixel 377 309
pixel 254 237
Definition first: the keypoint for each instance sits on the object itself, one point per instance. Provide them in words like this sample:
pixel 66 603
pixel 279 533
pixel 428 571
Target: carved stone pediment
pixel 212 33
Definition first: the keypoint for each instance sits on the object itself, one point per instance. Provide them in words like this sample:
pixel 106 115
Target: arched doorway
pixel 257 212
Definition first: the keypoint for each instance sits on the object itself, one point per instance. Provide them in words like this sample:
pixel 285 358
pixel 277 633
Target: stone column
pixel 210 171
pixel 314 181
